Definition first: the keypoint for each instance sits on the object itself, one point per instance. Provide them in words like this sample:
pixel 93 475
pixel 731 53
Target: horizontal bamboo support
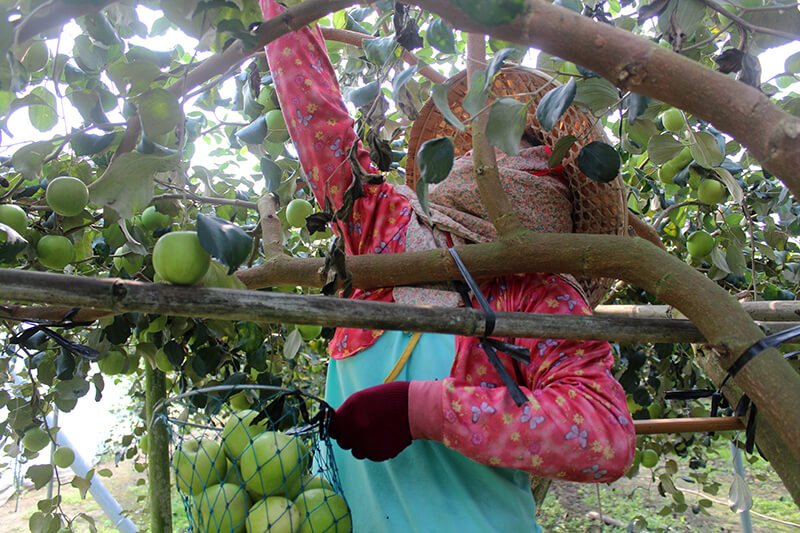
pixel 687 425
pixel 779 311
pixel 119 296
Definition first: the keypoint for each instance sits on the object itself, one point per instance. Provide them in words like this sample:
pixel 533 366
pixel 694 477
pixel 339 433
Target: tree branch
pixel 487 176
pixel 748 26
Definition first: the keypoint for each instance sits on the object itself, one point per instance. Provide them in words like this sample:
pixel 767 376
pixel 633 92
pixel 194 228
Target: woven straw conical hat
pixel 597 207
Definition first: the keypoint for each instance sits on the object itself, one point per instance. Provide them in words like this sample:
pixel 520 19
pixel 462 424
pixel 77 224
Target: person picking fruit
pixel 430 437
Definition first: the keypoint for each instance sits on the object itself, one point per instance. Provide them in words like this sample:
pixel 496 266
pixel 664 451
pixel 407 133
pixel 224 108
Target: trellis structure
pixel 717 317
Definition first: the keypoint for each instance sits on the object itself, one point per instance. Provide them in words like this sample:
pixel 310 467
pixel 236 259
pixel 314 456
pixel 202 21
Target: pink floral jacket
pixel 575 425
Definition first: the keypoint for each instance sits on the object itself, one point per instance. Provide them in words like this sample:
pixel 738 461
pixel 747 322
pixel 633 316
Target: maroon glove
pixel 373 423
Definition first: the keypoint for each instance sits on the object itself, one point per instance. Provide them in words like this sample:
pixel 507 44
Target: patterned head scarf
pixel 539 195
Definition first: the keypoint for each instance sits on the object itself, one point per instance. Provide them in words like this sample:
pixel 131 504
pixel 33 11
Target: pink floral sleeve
pixel 322 132
pixel 575 424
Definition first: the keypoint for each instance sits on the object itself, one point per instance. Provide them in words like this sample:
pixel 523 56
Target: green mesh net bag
pixel 265 468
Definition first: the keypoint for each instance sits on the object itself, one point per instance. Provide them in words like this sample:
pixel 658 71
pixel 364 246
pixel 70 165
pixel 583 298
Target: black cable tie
pixel 521 354
pixel 760 345
pixel 489 316
pixel 487 344
pixel 513 387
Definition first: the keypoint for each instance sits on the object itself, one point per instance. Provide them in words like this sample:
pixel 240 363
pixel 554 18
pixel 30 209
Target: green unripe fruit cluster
pixel 35 439
pixel 128 260
pixel 672 119
pixel 297 211
pixel 63 457
pixel 36 56
pixel 309 331
pixel 669 169
pixel 277 131
pixel 699 244
pixel 711 192
pixel 115 362
pixel 55 251
pixel 152 219
pixel 67 196
pixel 179 258
pixel 649 458
pixel 14 216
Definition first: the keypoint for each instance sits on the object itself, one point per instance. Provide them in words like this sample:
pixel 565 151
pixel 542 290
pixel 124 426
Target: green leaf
pixel 440 36
pixel 40 475
pixel 89 522
pixel 379 50
pixel 705 150
pixel 99 29
pixel 11 243
pixel 401 79
pixel 364 95
pixel 159 111
pixel 554 104
pixel 718 260
pixel 236 28
pixel 74 388
pixel 217 276
pixel 507 119
pixel 28 159
pixel 224 240
pixel 785 20
pixel 663 147
pixel 730 182
pixel 597 94
pixel 255 132
pixel 132 78
pixel 90 58
pixel 491 12
pixel 688 16
pixel 292 345
pixel 435 158
pixel 82 484
pixel 272 174
pixel 48 506
pixel 65 365
pixel 560 150
pixel 477 95
pixel 422 196
pixel 440 92
pixel 495 65
pixel 599 161
pixel 88 144
pixel 43 117
pixel 792 63
pixel 126 187
pixel 40 522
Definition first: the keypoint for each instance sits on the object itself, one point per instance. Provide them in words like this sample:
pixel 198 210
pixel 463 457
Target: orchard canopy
pixel 162 109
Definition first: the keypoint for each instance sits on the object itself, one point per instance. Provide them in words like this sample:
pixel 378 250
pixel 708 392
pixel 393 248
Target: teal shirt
pixel 428 487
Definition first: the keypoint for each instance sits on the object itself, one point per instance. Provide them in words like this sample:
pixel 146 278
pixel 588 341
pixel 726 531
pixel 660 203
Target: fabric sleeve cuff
pixel 425 410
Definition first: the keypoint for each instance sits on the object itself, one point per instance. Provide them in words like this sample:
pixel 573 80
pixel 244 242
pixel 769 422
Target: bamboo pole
pixel 779 311
pixel 687 425
pixel 158 468
pixel 120 296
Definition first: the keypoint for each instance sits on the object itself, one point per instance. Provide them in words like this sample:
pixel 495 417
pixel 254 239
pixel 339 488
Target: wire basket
pixel 266 468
